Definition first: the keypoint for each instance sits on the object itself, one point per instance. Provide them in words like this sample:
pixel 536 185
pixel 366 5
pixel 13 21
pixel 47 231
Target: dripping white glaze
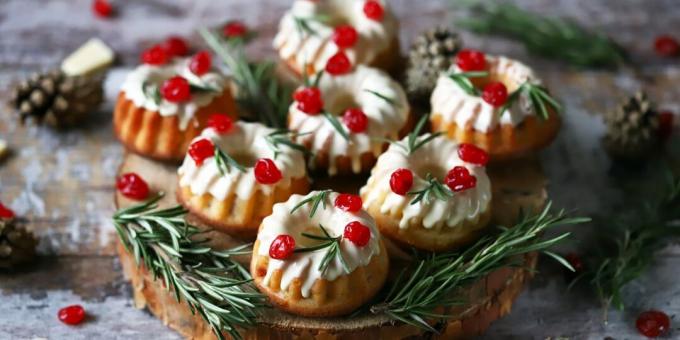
pixel 454 105
pixel 442 154
pixel 374 37
pixel 304 266
pixel 385 119
pixel 133 88
pixel 243 139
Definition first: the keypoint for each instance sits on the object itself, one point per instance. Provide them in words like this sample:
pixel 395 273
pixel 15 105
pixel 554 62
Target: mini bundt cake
pixel 344 119
pixel 348 32
pixel 319 255
pixel 163 106
pixel 235 172
pixel 495 103
pixel 429 192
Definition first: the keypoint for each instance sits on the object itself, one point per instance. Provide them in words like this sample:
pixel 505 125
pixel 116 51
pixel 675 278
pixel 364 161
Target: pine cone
pixel 431 53
pixel 631 129
pixel 56 99
pixel 17 246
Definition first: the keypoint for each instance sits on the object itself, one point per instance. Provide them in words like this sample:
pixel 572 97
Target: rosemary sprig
pixel 283 137
pixel 202 89
pixel 412 141
pixel 435 280
pixel 389 100
pixel 317 79
pixel 333 120
pixel 317 199
pixel 548 37
pixel 302 24
pixel 462 79
pixel 627 248
pixel 224 162
pixel 434 188
pixel 209 281
pixel 152 91
pixel 260 93
pixel 538 97
pixel 332 247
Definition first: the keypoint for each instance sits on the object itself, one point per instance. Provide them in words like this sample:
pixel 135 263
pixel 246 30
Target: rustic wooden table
pixel 62 182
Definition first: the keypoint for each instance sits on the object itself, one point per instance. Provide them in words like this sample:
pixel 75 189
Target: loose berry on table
pixel 102 8
pixel 653 323
pixel 667 46
pixel 6 212
pixel 72 315
pixel 133 186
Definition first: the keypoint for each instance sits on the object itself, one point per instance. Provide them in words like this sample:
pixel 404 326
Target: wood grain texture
pixel 62 181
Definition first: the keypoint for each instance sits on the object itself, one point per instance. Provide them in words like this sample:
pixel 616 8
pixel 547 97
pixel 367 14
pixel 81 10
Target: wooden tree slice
pixel 517 185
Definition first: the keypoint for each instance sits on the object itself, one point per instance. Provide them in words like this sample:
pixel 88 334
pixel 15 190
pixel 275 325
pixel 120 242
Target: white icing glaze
pixel 442 154
pixel 305 265
pixel 373 36
pixel 457 106
pixel 243 139
pixel 385 120
pixel 156 75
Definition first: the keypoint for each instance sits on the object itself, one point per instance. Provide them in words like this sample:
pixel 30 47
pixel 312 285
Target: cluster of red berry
pixel 457 179
pixel 495 92
pixel 356 232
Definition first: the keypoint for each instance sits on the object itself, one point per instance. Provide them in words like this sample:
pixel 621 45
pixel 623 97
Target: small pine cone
pixel 432 53
pixel 56 99
pixel 632 129
pixel 17 246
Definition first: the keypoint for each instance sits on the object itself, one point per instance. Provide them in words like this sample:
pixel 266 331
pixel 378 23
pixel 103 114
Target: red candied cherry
pixel 652 323
pixel 357 233
pixel 665 125
pixel 345 36
pixel 495 93
pixel 338 64
pixel 459 179
pixel 200 63
pixel 132 186
pixel 401 181
pixel 309 100
pixel 221 122
pixel 472 154
pixel 72 315
pixel 666 46
pixel 282 247
pixel 575 262
pixel 348 202
pixel 155 55
pixel 471 60
pixel 5 212
pixel 176 90
pixel 356 120
pixel 175 46
pixel 200 150
pixel 234 29
pixel 266 171
pixel 374 10
pixel 102 8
